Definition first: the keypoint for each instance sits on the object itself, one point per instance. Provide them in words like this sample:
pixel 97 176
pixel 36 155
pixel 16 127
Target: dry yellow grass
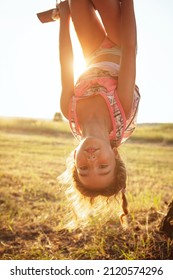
pixel 33 208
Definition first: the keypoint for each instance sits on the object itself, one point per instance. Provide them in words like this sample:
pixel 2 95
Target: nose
pixel 91 157
pixel 91 153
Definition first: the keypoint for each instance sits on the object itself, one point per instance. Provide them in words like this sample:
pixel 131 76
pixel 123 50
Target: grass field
pixel 33 208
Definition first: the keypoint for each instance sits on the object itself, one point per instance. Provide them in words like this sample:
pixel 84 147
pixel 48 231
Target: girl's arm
pixel 127 73
pixel 66 58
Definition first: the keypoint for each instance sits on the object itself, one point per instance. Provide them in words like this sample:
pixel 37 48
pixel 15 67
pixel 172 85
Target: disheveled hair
pixel 83 199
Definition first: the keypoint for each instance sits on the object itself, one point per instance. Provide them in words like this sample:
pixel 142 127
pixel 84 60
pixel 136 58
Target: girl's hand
pixel 63 8
pixel 55 14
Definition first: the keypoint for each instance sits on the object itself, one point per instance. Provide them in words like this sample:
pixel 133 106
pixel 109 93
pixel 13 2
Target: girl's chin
pixel 90 142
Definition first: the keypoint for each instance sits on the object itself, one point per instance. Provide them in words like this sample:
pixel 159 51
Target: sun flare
pixel 79 65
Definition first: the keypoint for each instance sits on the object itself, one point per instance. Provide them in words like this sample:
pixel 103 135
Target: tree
pixel 57 117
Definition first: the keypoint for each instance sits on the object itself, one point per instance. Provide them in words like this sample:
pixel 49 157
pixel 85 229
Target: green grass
pixel 33 208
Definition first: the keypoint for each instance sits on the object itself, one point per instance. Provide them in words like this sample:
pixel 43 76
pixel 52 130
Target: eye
pixel 83 168
pixel 102 166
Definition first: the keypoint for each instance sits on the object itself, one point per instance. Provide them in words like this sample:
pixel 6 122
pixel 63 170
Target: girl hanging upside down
pixel 102 105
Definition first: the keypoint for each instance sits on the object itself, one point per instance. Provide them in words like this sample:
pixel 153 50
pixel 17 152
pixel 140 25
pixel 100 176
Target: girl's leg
pixel 110 13
pixel 88 27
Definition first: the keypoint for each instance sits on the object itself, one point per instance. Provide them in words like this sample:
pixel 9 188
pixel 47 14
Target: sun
pixel 79 65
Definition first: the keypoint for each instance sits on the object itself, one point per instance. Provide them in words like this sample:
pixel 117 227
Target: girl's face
pixel 95 163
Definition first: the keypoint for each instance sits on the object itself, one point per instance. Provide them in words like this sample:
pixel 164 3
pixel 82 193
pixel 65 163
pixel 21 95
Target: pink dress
pixel 101 79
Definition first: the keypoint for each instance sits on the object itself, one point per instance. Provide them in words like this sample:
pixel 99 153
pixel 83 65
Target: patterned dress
pixel 102 79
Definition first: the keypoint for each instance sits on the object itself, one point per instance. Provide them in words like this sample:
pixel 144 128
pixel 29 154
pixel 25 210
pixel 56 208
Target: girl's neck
pixel 94 118
pixel 95 127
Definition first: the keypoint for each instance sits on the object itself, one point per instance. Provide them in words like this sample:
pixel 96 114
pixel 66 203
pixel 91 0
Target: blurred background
pixel 29 67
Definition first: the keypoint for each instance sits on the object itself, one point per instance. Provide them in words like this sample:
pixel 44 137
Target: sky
pixel 29 67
